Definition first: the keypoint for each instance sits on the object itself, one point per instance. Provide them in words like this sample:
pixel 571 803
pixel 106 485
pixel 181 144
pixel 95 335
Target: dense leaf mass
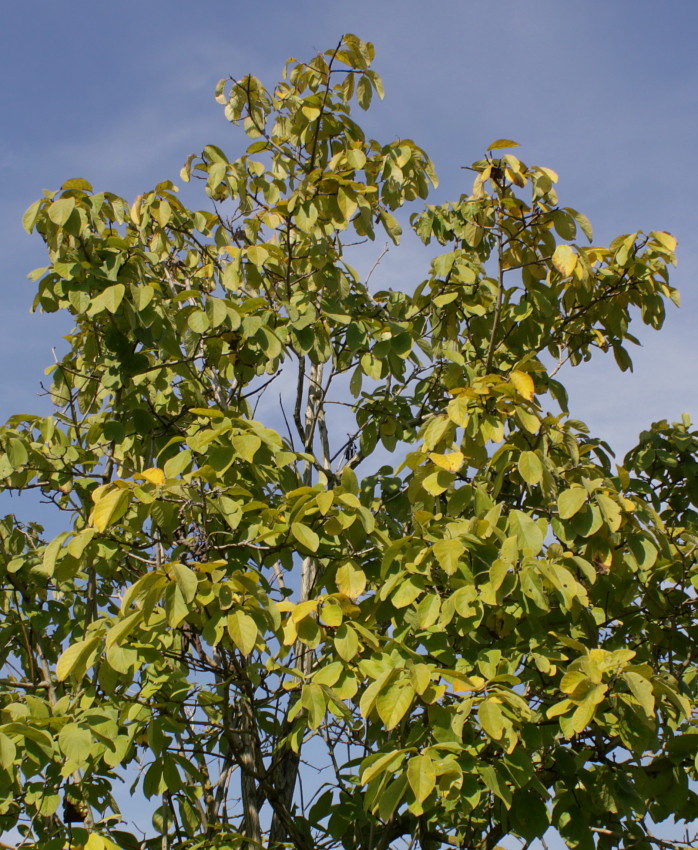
pixel 413 571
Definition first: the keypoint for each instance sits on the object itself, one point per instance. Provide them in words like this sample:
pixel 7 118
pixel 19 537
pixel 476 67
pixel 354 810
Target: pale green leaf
pixel 305 536
pixel 393 703
pixel 8 751
pixel 109 508
pixel 491 718
pixel 502 143
pixel 242 630
pixel 421 775
pixel 569 502
pixel 351 581
pixel 75 742
pixel 530 467
pixel 448 554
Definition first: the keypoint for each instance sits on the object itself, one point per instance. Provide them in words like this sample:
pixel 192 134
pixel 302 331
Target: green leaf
pixel 60 211
pixel 31 216
pixel 448 553
pixel 530 467
pixel 491 718
pixel 76 658
pixel 529 533
pixel 305 536
pixel 393 703
pixel 113 296
pixel 75 742
pixel 346 642
pixel 8 752
pixel 186 580
pixel 569 502
pixel 109 508
pixel 242 630
pixel 502 143
pixel 641 689
pixel 350 580
pixel 421 776
pixel 313 700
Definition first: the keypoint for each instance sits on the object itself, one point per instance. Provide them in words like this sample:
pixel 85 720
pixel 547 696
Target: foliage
pixel 461 612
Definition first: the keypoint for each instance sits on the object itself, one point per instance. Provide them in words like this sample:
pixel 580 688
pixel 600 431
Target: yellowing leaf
pixel 8 751
pixel 491 718
pixel 437 482
pixel 76 742
pixel 564 259
pixel 109 508
pixel 305 536
pixel 313 700
pixel 242 630
pixel 523 383
pixel 502 143
pixel 246 445
pixel 530 467
pixel 451 462
pixel 642 690
pixel 420 675
pixel 113 296
pixel 571 681
pixel 448 553
pixel 350 580
pixel 569 502
pixel 347 203
pixel 324 501
pixel 331 613
pixel 393 703
pixel 257 254
pixel 346 642
pixel 664 239
pixel 75 658
pixel 186 581
pixel 385 762
pixel 60 210
pixel 422 776
pixel 153 475
pixel 304 609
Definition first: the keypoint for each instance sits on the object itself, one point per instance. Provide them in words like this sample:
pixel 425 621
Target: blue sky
pixel 603 92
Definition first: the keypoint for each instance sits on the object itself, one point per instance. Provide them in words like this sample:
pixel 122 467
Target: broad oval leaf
pixel 569 502
pixel 305 536
pixel 393 703
pixel 421 776
pixel 242 630
pixel 351 581
pixel 110 508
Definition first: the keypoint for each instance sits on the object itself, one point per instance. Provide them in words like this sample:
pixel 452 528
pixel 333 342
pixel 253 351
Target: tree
pixel 413 601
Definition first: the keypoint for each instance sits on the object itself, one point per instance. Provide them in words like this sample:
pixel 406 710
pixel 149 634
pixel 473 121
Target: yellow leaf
pixel 74 658
pixel 350 580
pixel 502 143
pixel 451 462
pixel 153 475
pixel 324 501
pixel 421 775
pixel 564 259
pixel 665 239
pixel 467 683
pixel 242 630
pixel 523 383
pixel 109 508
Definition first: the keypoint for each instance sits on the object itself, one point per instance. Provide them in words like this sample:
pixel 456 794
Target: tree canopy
pixel 336 568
